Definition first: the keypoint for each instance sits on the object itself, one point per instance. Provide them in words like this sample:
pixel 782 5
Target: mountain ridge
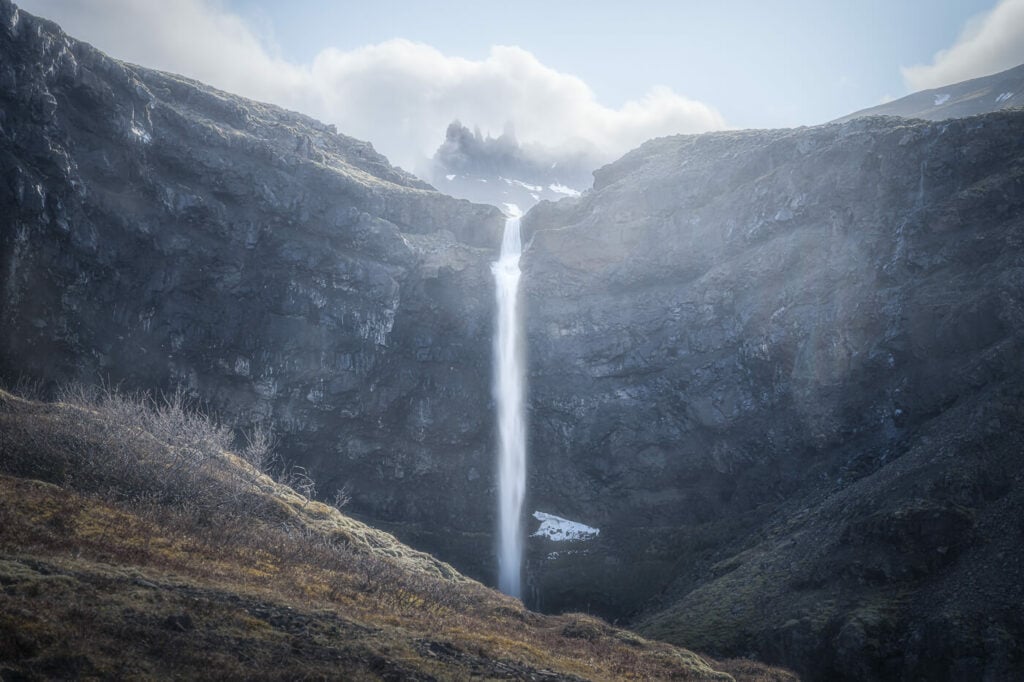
pixel 985 94
pixel 731 337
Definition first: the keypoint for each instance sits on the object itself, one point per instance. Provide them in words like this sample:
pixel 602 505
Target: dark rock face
pixel 781 371
pixel 157 232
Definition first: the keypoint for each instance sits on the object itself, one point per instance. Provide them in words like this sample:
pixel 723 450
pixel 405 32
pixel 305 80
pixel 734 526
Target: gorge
pixel 778 370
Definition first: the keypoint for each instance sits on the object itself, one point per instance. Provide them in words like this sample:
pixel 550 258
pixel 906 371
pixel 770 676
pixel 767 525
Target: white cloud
pixel 989 43
pixel 398 94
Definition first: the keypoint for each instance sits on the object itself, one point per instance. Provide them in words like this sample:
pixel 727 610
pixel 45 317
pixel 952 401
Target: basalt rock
pixel 781 371
pixel 158 233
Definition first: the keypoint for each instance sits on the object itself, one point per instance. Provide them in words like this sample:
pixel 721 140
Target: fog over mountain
pixel 501 170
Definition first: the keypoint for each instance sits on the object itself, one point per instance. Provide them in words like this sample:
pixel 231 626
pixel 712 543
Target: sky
pixel 590 75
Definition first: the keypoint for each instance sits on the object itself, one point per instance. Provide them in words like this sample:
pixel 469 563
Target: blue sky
pixel 588 76
pixel 760 63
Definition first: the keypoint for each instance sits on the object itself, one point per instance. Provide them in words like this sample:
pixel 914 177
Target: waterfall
pixel 508 393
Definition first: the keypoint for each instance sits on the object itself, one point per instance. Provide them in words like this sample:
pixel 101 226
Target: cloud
pixel 411 92
pixel 989 43
pixel 398 94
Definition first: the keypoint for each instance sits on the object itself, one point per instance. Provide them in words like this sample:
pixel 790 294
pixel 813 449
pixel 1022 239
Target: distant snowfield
pixel 557 529
pixel 524 185
pixel 941 99
pixel 562 189
pixel 1003 97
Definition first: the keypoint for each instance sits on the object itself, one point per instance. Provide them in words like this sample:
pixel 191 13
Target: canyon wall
pixel 778 370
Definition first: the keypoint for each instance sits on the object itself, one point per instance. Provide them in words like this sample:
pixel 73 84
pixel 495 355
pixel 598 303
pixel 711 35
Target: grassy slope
pixel 98 582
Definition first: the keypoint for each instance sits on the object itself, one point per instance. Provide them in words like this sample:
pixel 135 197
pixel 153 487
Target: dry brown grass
pixel 216 570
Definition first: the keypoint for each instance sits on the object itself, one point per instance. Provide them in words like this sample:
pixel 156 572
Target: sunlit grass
pixel 220 571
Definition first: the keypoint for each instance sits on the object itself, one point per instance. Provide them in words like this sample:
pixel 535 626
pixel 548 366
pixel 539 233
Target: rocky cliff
pixel 781 371
pixel 775 382
pixel 160 233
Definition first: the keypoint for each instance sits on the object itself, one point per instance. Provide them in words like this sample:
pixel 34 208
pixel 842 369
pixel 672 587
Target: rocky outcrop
pixel 781 371
pixel 157 232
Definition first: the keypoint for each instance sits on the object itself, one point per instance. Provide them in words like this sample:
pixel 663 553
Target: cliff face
pixel 158 232
pixel 783 368
pixel 778 370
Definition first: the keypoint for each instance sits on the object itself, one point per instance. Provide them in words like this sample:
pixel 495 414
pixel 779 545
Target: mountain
pixel 775 383
pixel 999 91
pixel 780 371
pixel 160 234
pixel 501 171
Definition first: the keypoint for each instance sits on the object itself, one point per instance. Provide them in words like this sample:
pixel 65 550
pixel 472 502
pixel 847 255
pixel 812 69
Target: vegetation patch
pixel 135 543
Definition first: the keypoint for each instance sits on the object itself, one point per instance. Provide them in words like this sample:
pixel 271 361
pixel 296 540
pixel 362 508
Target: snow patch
pixel 140 134
pixel 524 185
pixel 941 99
pixel 450 177
pixel 557 529
pixel 1003 97
pixel 562 189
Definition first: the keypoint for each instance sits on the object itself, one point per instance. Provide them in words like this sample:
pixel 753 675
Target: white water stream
pixel 509 385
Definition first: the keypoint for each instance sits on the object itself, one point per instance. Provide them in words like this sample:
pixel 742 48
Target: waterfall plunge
pixel 508 392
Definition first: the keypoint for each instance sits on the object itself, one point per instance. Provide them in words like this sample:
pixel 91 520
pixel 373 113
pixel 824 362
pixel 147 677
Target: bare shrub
pixel 299 480
pixel 26 387
pixel 260 448
pixel 132 447
pixel 342 496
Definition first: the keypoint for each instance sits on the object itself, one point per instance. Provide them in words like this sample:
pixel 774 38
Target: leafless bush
pixel 131 447
pixel 260 448
pixel 299 480
pixel 342 496
pixel 26 387
pixel 161 457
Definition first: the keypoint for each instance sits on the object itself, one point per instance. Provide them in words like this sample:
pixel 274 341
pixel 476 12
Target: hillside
pixel 213 571
pixel 998 91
